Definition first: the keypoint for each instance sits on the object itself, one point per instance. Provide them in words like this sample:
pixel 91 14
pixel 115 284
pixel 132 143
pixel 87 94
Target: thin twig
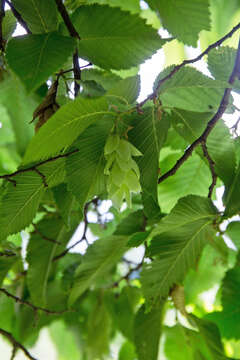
pixel 33 307
pixel 2 14
pixel 185 62
pixel 73 33
pixel 129 262
pixel 42 176
pixel 14 352
pixel 76 72
pixel 16 344
pixel 72 69
pixel 7 253
pixel 18 17
pixel 221 109
pixel 34 167
pixel 83 237
pixel 128 274
pixel 67 21
pixel 235 126
pixel 212 168
pixel 45 237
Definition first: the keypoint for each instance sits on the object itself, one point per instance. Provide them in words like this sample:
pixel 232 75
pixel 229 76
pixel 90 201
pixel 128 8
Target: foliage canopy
pixel 74 139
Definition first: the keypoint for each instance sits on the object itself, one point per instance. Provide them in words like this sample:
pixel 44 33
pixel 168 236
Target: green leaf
pixel 85 168
pixel 41 16
pixel 223 156
pixel 147 332
pixel 148 135
pixel 7 134
pixel 8 25
pixel 179 344
pixel 64 127
pixel 190 126
pixel 221 62
pixel 178 239
pixel 63 339
pixel 64 200
pixel 40 254
pixel 100 257
pixel 5 265
pixel 193 177
pixel 125 304
pixel 232 195
pixel 99 330
pixel 228 319
pixel 137 239
pixel 20 108
pixel 127 351
pixel 184 19
pixel 233 231
pixel 35 57
pixel 189 89
pixel 132 6
pixel 210 271
pixel 131 224
pixel 7 312
pixel 211 336
pixel 106 79
pixel 126 90
pixel 114 39
pixel 19 203
pixel 54 172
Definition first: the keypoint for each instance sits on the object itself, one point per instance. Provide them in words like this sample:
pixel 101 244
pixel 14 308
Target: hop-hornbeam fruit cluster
pixel 121 169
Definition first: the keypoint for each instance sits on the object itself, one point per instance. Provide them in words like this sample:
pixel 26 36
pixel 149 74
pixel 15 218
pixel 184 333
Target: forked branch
pixel 186 62
pixel 73 32
pixel 16 345
pixel 221 109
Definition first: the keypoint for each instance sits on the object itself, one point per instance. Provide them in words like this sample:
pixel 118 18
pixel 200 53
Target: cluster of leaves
pixel 123 172
pixel 162 159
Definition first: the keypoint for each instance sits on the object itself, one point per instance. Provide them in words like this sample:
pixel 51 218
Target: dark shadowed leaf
pixel 35 57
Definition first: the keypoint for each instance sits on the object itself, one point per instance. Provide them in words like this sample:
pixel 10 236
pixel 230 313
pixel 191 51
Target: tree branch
pixel 33 307
pixel 34 167
pixel 212 168
pixel 67 21
pixel 16 345
pixel 185 62
pixel 2 14
pixel 221 109
pixel 129 273
pixel 83 237
pixel 18 17
pixel 7 253
pixel 45 237
pixel 76 72
pixel 73 32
